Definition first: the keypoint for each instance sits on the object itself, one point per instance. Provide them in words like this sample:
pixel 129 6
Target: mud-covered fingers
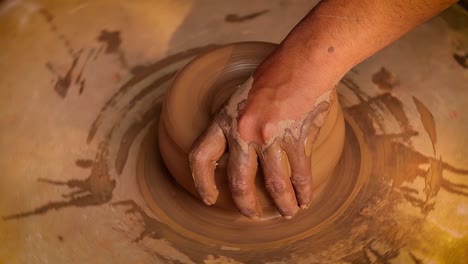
pixel 206 151
pixel 300 174
pixel 275 169
pixel 242 168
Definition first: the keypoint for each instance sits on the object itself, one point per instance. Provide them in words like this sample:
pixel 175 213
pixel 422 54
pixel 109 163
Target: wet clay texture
pixel 82 175
pixel 192 101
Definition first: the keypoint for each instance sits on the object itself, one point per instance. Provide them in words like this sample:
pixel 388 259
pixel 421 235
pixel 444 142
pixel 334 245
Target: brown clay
pixel 200 88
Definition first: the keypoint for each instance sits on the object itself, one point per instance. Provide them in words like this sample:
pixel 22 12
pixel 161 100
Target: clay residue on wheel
pixel 384 79
pixel 94 190
pixel 97 189
pixel 235 18
pixel 143 72
pixel 389 214
pixel 378 229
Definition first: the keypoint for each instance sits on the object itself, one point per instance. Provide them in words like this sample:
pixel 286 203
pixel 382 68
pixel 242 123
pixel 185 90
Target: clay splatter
pixel 49 19
pixel 65 81
pixel 111 39
pixel 151 227
pixel 384 79
pixel 95 190
pixel 404 167
pixel 151 69
pixel 428 121
pixel 79 78
pixel 235 18
pixel 135 128
pixel 462 60
pixel 84 163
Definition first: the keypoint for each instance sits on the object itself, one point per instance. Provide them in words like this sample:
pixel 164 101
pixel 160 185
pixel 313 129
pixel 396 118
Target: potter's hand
pixel 288 98
pixel 274 116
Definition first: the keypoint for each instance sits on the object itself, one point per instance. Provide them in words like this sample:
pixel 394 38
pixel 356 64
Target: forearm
pixel 336 35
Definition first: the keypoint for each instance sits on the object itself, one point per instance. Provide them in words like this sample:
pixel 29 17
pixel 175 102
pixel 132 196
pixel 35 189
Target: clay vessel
pixel 193 98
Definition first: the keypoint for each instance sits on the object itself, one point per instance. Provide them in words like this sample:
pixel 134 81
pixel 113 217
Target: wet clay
pixel 192 101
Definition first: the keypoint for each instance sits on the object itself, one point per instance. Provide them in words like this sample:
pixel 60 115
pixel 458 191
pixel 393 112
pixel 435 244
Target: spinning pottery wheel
pixel 336 181
pixel 201 88
pixel 94 173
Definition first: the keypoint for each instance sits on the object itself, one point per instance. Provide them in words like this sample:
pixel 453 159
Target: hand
pixel 274 116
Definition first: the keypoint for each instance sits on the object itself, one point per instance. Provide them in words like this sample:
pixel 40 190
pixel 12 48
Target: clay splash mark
pixel 404 167
pixel 95 190
pixel 415 259
pixel 370 255
pixel 196 252
pixel 152 228
pixel 66 81
pixel 384 79
pixel 428 122
pixel 462 60
pixel 373 107
pixel 49 19
pixel 135 128
pixel 112 41
pixel 84 163
pixel 150 69
pixel 130 135
pixel 98 187
pixel 381 200
pixel 98 53
pixel 235 18
pixel 79 78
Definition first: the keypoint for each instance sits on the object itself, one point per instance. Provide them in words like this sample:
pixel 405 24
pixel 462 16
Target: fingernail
pixel 254 217
pixel 207 201
pixel 288 217
pixel 304 206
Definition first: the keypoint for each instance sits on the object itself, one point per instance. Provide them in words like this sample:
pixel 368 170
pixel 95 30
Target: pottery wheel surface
pixel 83 178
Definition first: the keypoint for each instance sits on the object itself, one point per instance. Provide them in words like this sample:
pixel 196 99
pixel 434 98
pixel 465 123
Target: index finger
pixel 205 153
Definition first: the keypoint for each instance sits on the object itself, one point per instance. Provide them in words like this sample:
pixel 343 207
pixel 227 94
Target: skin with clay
pixel 280 109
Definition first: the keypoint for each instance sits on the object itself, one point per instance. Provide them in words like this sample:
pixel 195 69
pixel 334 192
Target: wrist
pixel 317 60
pixel 294 80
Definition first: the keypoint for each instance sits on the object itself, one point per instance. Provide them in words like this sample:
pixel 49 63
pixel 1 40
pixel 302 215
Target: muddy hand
pixel 250 135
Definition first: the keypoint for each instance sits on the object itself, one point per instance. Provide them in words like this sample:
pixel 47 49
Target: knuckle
pixel 300 180
pixel 267 131
pixel 245 123
pixel 196 155
pixel 239 187
pixel 250 127
pixel 199 154
pixel 275 187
